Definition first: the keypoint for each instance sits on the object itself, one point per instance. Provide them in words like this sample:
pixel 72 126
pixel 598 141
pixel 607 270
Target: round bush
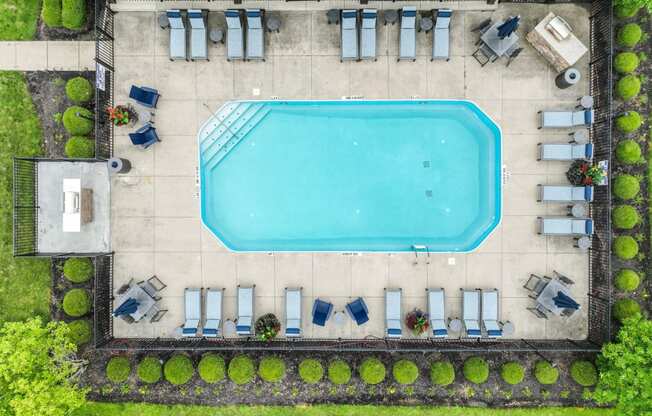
pixel 271 369
pixel 339 372
pixel 78 269
pixel 628 87
pixel 629 122
pixel 178 369
pixel 118 369
pixel 627 280
pixel 512 373
pixel 79 90
pixel 211 368
pixel 372 371
pixel 545 373
pixel 78 125
pixel 80 147
pixel 311 371
pixel 628 152
pixel 51 13
pixel 80 331
pixel 626 186
pixel 241 370
pixel 625 247
pixel 626 62
pixel 77 302
pixel 584 373
pixel 624 12
pixel 625 217
pixel 405 372
pixel 629 35
pixel 73 14
pixel 626 308
pixel 442 373
pixel 149 370
pixel 476 370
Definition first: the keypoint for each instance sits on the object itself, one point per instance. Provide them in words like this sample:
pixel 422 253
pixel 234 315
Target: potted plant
pixel 584 173
pixel 267 326
pixel 417 321
pixel 122 115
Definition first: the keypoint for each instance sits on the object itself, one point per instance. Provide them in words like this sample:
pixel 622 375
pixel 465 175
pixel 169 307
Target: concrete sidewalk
pixel 47 55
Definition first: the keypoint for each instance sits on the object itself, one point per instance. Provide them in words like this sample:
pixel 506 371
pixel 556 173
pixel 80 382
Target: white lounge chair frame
pixel 255 50
pixel 565 151
pixel 490 313
pixel 349 35
pixel 441 35
pixel 177 35
pixel 368 34
pixel 393 328
pixel 198 35
pixel 245 324
pixel 213 324
pixel 293 304
pixel 471 312
pixel 565 226
pixel 565 193
pixel 437 312
pixel 234 35
pixel 192 307
pixel 563 119
pixel 408 34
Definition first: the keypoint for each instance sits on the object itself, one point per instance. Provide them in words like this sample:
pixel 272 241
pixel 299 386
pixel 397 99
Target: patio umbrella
pixel 508 27
pixel 128 307
pixel 564 301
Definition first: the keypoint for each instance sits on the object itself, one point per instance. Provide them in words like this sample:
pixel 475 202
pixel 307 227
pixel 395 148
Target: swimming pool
pixel 350 175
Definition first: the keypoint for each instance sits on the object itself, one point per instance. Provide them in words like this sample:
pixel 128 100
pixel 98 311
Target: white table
pixel 455 325
pixel 508 328
pixel 229 328
pixel 495 43
pixel 145 301
pixel 549 292
pixel 71 205
pixel 561 54
pixel 578 210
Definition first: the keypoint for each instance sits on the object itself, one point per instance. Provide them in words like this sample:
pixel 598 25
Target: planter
pixel 417 322
pixel 267 327
pixel 582 173
pixel 123 115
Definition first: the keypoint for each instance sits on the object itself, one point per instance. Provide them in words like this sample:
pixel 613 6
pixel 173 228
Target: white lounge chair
pixel 408 35
pixel 490 313
pixel 349 35
pixel 563 119
pixel 234 35
pixel 441 35
pixel 192 306
pixel 368 34
pixel 565 226
pixel 177 35
pixel 213 324
pixel 471 312
pixel 393 313
pixel 436 313
pixel 245 310
pixel 565 151
pixel 565 193
pixel 255 35
pixel 198 35
pixel 292 312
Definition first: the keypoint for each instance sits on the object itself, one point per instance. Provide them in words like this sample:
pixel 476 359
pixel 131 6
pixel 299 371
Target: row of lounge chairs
pixel 198 35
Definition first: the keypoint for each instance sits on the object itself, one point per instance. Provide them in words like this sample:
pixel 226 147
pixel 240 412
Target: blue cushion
pixel 409 13
pixel 589 227
pixel 243 328
pixel 255 13
pixel 495 333
pixel 232 13
pixel 210 331
pixel 369 15
pixel 588 193
pixel 189 330
pixel 473 332
pixel 194 15
pixel 588 117
pixel 292 331
pixel 320 312
pixel 394 331
pixel 174 14
pixel 349 15
pixel 440 332
pixel 588 150
pixel 446 13
pixel 146 97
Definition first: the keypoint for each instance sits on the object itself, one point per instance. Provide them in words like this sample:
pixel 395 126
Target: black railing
pixel 25 215
pixel 103 301
pixel 104 79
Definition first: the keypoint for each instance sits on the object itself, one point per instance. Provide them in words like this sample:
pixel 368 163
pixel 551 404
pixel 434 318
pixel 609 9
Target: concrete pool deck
pixel 155 223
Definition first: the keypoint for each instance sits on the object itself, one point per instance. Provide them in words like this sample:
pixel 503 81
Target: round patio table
pixel 586 101
pixel 455 325
pixel 163 21
pixel 229 328
pixel 581 136
pixel 339 318
pixel 583 243
pixel 390 16
pixel 333 16
pixel 508 328
pixel 578 210
pixel 273 24
pixel 144 116
pixel 216 35
pixel 425 24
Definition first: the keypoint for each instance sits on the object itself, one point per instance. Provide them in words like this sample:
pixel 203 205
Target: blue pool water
pixel 350 175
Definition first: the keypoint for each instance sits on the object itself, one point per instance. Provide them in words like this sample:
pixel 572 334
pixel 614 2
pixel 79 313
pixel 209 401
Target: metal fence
pixel 103 300
pixel 104 79
pixel 25 216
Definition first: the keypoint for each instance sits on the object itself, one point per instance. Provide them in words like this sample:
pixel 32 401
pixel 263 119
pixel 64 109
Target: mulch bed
pixel 86 33
pixel 61 285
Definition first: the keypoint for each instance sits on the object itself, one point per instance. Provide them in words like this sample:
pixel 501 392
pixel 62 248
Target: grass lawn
pixel 18 19
pixel 24 283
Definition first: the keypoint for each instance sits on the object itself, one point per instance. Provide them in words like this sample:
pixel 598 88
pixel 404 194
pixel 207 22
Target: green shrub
pixel 311 371
pixel 626 308
pixel 78 269
pixel 118 369
pixel 629 122
pixel 178 369
pixel 339 372
pixel 80 331
pixel 372 371
pixel 628 87
pixel 77 302
pixel 149 370
pixel 628 152
pixel 626 186
pixel 78 125
pixel 73 14
pixel 405 372
pixel 627 280
pixel 442 373
pixel 626 11
pixel 80 147
pixel 241 370
pixel 51 13
pixel 625 217
pixel 271 369
pixel 626 62
pixel 211 368
pixel 476 370
pixel 512 372
pixel 625 247
pixel 79 89
pixel 584 373
pixel 545 373
pixel 629 35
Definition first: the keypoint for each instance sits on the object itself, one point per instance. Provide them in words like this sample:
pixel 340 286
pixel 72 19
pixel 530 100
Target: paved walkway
pixel 47 55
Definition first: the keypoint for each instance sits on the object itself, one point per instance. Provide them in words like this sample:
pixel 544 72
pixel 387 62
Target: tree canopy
pixel 634 4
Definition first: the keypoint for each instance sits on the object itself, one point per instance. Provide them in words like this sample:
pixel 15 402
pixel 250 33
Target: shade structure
pixel 564 301
pixel 127 307
pixel 508 27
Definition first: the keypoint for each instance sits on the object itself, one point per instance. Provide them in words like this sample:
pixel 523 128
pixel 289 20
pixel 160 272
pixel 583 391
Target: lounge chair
pixel 441 35
pixel 192 305
pixel 408 36
pixel 255 35
pixel 368 34
pixel 349 35
pixel 565 193
pixel 292 312
pixel 321 311
pixel 177 35
pixel 358 311
pixel 561 119
pixel 539 311
pixel 145 96
pixel 144 136
pixel 152 286
pixel 245 310
pixel 471 312
pixel 436 313
pixel 234 35
pixel 565 226
pixel 490 313
pixel 393 313
pixel 565 151
pixel 198 35
pixel 213 324
pixel 536 284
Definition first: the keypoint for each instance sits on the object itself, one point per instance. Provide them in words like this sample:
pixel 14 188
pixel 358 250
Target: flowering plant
pixel 267 327
pixel 583 173
pixel 417 321
pixel 121 115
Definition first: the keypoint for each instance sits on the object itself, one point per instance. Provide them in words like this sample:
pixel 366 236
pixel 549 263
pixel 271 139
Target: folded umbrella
pixel 125 307
pixel 508 27
pixel 564 301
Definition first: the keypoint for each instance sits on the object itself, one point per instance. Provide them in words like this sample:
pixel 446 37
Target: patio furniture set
pixel 138 301
pixel 497 39
pixel 146 97
pixel 551 295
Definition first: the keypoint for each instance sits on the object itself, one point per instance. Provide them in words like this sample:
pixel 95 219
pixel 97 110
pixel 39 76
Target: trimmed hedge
pixel 476 370
pixel 545 373
pixel 628 87
pixel 211 368
pixel 442 373
pixel 51 13
pixel 78 269
pixel 339 372
pixel 624 12
pixel 625 247
pixel 626 62
pixel 628 152
pixel 629 35
pixel 118 369
pixel 584 373
pixel 78 125
pixel 271 369
pixel 73 14
pixel 512 373
pixel 241 370
pixel 627 280
pixel 625 217
pixel 149 370
pixel 77 302
pixel 372 371
pixel 311 371
pixel 178 369
pixel 626 308
pixel 626 186
pixel 80 331
pixel 405 372
pixel 79 89
pixel 629 122
pixel 80 147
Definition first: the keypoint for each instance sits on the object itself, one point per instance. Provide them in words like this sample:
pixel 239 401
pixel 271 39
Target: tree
pixel 634 4
pixel 626 369
pixel 39 370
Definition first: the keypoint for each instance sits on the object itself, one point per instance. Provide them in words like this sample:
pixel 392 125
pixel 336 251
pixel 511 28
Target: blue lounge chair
pixel 198 35
pixel 321 311
pixel 471 312
pixel 368 34
pixel 490 313
pixel 565 151
pixel 565 226
pixel 145 96
pixel 192 306
pixel 234 35
pixel 292 312
pixel 441 35
pixel 408 36
pixel 564 119
pixel 436 313
pixel 245 310
pixel 393 313
pixel 144 136
pixel 358 311
pixel 255 35
pixel 349 35
pixel 177 35
pixel 213 323
pixel 565 193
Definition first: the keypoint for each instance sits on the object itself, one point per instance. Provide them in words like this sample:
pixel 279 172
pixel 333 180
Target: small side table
pixel 583 243
pixel 455 325
pixel 339 318
pixel 580 137
pixel 216 36
pixel 333 16
pixel 273 24
pixel 163 21
pixel 229 328
pixel 508 328
pixel 390 16
pixel 425 24
pixel 118 165
pixel 586 102
pixel 578 210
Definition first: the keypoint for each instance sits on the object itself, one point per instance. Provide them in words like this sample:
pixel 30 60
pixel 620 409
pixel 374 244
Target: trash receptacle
pixel 119 165
pixel 567 78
